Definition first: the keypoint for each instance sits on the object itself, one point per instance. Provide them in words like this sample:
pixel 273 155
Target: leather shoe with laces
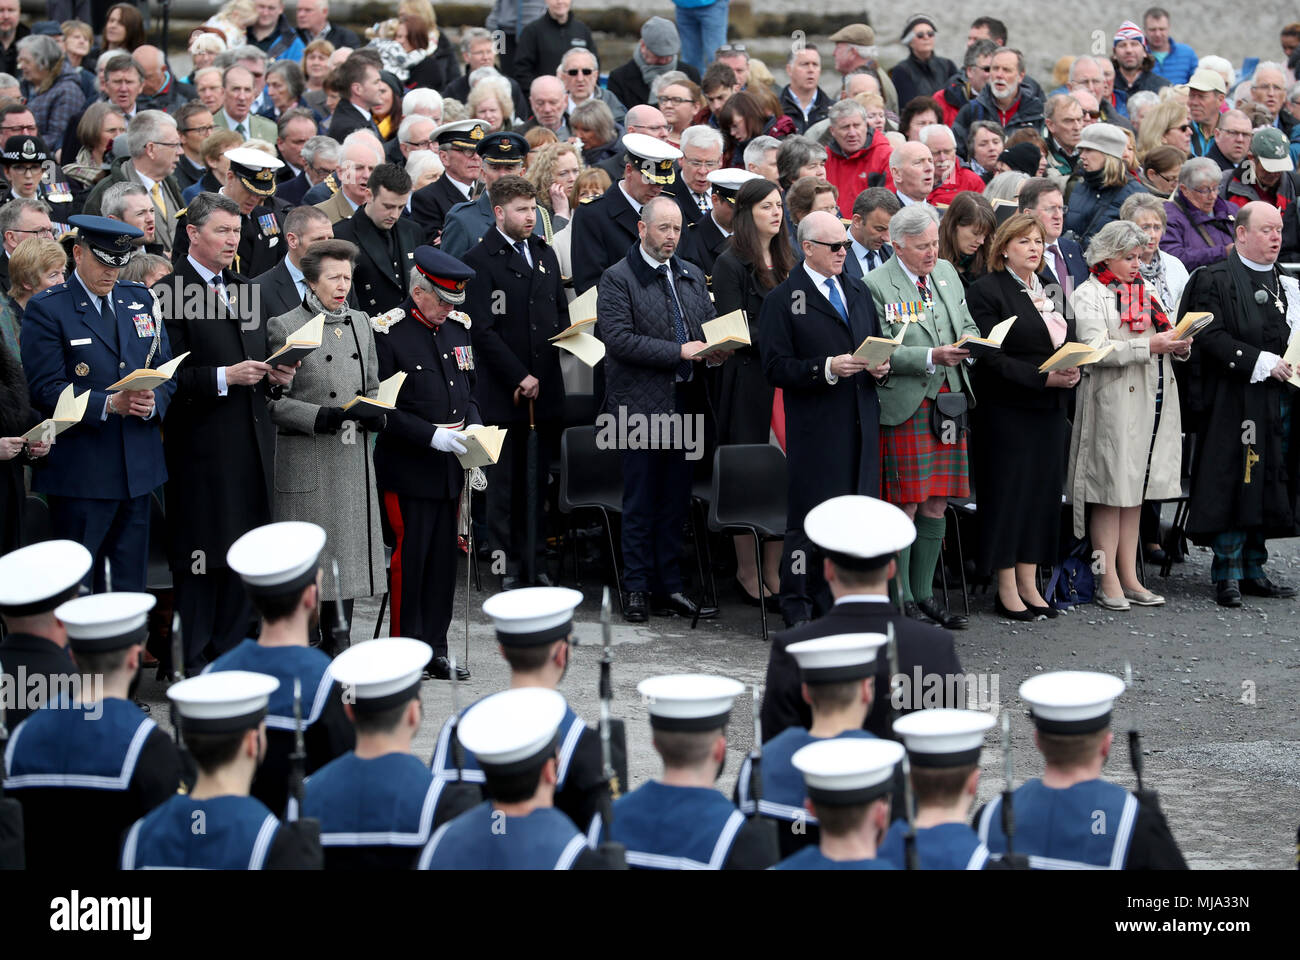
pixel 1228 593
pixel 911 609
pixel 440 669
pixel 636 609
pixel 1264 587
pixel 679 604
pixel 940 614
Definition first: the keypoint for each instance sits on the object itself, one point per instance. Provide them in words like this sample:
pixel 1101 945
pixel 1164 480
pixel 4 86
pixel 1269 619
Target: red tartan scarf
pixel 1136 307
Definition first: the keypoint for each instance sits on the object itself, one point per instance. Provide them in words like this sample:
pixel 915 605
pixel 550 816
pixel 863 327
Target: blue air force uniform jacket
pixel 65 340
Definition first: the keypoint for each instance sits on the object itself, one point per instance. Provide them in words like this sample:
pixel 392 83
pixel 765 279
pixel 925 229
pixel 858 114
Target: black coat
pixel 349 117
pixel 702 244
pixel 921 647
pixel 920 78
pixel 220 451
pixel 380 280
pixel 35 656
pixel 278 292
pixel 261 241
pixel 437 68
pixel 430 206
pixel 744 397
pixel 16 418
pixel 602 230
pixel 436 391
pixel 832 430
pixel 294 189
pixel 516 310
pixel 626 82
pixel 1222 399
pixel 790 107
pixel 338 35
pixel 543 43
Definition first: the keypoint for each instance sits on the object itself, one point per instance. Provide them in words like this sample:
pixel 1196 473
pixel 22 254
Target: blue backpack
pixel 1072 582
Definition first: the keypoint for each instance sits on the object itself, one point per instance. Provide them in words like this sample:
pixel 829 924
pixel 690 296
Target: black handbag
pixel 950 417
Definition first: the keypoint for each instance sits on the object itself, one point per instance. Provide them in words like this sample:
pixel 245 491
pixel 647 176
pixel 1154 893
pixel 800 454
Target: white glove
pixel 472 426
pixel 448 441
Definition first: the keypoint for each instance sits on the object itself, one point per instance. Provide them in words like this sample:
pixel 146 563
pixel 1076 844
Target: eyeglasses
pixel 1226 133
pixel 732 48
pixel 1206 191
pixel 1185 128
pixel 203 130
pixel 702 164
pixel 1267 86
pixel 163 143
pixel 835 247
pixel 1092 114
pixel 39 231
pixel 421 144
pixel 585 71
pixel 19 128
pixel 923 36
pixel 674 101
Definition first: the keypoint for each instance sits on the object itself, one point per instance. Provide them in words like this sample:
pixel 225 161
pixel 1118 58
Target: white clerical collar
pixel 1257 267
pixel 630 199
pixel 862 598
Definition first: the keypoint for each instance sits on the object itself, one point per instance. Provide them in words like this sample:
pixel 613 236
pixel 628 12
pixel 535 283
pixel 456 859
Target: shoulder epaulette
pixel 181 212
pixel 588 199
pixel 331 183
pixel 461 318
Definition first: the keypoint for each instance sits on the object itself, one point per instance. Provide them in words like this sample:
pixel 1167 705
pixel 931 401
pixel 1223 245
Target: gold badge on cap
pixel 476 133
pixel 82 370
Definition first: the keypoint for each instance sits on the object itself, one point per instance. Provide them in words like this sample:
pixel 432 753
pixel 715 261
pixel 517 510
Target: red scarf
pixel 1136 307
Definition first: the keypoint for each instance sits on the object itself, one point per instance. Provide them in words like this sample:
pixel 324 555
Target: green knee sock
pixel 925 554
pixel 903 587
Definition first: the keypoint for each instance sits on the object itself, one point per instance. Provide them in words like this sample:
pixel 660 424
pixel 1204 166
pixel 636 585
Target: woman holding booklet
pixel 1022 429
pixel 1126 446
pixel 758 258
pixel 324 473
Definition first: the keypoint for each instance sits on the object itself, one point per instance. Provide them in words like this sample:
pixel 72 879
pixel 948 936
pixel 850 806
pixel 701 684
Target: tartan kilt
pixel 915 466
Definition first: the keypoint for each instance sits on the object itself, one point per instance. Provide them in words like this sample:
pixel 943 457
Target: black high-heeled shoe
pixel 1050 612
pixel 1025 616
pixel 746 597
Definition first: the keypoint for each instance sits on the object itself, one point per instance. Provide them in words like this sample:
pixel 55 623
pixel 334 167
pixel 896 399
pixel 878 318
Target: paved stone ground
pixel 1214 694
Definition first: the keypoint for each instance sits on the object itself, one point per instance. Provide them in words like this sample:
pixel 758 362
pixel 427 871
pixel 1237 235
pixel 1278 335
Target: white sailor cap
pixel 381 673
pixel 730 179
pixel 223 701
pixel 652 157
pixel 514 730
pixel 859 533
pixel 532 616
pixel 460 133
pixel 277 558
pixel 845 656
pixel 106 621
pixel 1071 701
pixel 254 168
pixel 37 578
pixel 690 702
pixel 848 771
pixel 942 737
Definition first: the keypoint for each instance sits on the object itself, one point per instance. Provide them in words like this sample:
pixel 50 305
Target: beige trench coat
pixel 1115 413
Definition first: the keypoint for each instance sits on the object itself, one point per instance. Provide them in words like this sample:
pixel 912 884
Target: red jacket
pixel 849 174
pixel 966 179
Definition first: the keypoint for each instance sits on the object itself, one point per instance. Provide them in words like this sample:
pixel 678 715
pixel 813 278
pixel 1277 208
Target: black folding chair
pixel 591 479
pixel 37 526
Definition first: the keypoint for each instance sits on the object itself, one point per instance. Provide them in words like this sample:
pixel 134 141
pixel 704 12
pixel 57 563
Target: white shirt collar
pixel 354 206
pixel 231 122
pixel 818 279
pixel 721 229
pixel 95 298
pixel 630 199
pixel 203 271
pixel 905 200
pixel 652 263
pixel 148 183
pixel 294 273
pixel 862 598
pixel 1257 267
pixel 860 251
pixel 462 187
pixel 910 275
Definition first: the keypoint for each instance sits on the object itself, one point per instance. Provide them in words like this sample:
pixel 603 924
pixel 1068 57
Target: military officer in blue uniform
pixel 681 821
pixel 838 674
pixel 706 237
pixel 1070 818
pixel 419 477
pixel 250 182
pixel 848 783
pixel 534 629
pixel 279 564
pixel 218 826
pixel 34 580
pixel 90 765
pixel 24 160
pixel 375 803
pixel 943 747
pixel 91 331
pixel 515 735
pixel 470 221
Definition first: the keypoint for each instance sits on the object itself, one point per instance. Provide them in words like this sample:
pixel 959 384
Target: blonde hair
pixel 421 10
pixel 31 260
pixel 239 12
pixel 541 171
pixel 870 100
pixel 1159 120
pixel 71 27
pixel 498 90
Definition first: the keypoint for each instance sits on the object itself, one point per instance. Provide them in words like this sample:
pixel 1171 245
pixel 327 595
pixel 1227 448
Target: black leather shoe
pixel 680 605
pixel 440 669
pixel 1024 616
pixel 911 609
pixel 636 609
pixel 1050 612
pixel 1228 593
pixel 1264 587
pixel 940 614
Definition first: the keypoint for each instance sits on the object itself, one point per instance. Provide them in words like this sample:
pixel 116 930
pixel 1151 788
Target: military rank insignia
pixel 464 357
pixel 268 224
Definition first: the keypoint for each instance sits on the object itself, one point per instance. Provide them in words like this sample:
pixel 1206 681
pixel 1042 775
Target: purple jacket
pixel 1198 239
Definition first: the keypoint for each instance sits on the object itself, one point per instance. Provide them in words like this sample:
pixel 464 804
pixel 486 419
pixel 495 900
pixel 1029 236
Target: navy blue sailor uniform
pixel 420 486
pixel 811 858
pixel 482 839
pixel 100 472
pixel 684 828
pixel 239 833
pixel 945 846
pixel 326 731
pixel 84 773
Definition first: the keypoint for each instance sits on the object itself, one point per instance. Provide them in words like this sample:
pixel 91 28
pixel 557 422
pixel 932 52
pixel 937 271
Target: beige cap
pixel 855 33
pixel 1207 80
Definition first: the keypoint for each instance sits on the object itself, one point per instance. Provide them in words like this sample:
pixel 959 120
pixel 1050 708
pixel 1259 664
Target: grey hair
pixel 864 51
pixel 1270 65
pixel 292 75
pixel 203 206
pixel 249 52
pixel 1079 61
pixel 1199 170
pixel 1055 103
pixel 147 127
pixel 666 80
pixel 479 74
pixel 988 125
pixel 404 131
pixel 1294 93
pixel 141 265
pixel 650 206
pixel 113 203
pixel 701 135
pixel 911 222
pixel 1143 98
pixel 594 115
pixel 366 139
pixel 12 212
pixel 1144 202
pixel 931 130
pixel 758 147
pixel 471 36
pixel 208 69
pixel 806 226
pixel 570 53
pixel 420 280
pixel 844 108
pixel 797 151
pixel 1113 240
pixel 416 163
pixel 1219 65
pixel 1005 186
pixel 420 100
pixel 8 80
pixel 978 49
pixel 44 51
pixel 320 147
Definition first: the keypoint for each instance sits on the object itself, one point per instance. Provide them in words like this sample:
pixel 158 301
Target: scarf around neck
pixel 1137 308
pixel 651 70
pixel 313 304
pixel 1057 328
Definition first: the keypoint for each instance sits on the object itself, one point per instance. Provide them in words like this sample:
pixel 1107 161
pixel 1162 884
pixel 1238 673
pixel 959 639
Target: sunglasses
pixel 732 48
pixel 835 247
pixel 585 71
pixel 1185 128
pixel 923 36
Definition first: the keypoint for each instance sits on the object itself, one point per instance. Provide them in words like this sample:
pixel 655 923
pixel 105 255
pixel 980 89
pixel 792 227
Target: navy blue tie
pixel 679 322
pixel 836 301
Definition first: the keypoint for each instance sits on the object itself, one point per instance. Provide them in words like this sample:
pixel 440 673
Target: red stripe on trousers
pixel 394 510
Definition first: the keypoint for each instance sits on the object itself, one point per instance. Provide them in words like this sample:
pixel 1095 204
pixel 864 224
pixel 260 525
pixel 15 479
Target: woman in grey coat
pixel 323 468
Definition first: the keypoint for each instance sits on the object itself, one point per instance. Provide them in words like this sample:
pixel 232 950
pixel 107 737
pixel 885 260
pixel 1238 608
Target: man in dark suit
pixel 707 237
pixel 604 227
pixel 701 154
pixel 320 159
pixel 859 539
pixel 90 332
pixel 282 288
pixel 365 90
pixel 220 441
pixel 869 231
pixel 250 184
pixel 811 324
pixel 386 239
pixel 652 305
pixel 1042 199
pixel 458 150
pixel 517 300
